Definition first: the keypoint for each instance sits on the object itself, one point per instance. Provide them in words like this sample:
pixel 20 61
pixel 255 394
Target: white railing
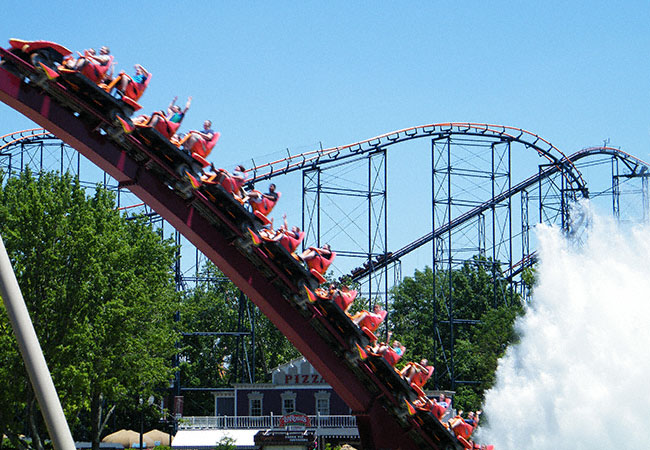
pixel 259 422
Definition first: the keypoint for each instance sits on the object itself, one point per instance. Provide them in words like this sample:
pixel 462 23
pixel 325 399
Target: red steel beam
pixel 377 427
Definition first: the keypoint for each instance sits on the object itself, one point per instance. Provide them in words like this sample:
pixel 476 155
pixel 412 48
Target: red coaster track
pixel 217 227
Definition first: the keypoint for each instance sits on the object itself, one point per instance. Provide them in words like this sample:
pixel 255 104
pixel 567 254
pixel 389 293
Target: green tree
pixel 217 360
pixel 101 296
pixel 274 348
pixel 481 297
pixel 206 360
pixel 226 443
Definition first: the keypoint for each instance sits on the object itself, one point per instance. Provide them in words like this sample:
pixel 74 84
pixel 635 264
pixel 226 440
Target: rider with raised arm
pixel 391 352
pixel 166 124
pixel 294 234
pixel 136 83
pixel 174 113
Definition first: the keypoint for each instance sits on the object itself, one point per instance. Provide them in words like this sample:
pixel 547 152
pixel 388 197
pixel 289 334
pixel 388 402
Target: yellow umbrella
pixel 124 437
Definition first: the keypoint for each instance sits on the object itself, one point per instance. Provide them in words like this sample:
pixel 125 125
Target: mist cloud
pixel 579 377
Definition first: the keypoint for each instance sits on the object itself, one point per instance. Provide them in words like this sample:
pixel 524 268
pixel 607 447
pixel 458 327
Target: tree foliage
pixel 217 360
pixel 475 293
pixel 101 296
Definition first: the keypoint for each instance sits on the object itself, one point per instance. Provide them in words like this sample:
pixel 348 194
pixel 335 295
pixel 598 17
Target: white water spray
pixel 579 378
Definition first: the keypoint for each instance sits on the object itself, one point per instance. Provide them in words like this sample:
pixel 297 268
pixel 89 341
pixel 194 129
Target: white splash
pixel 579 378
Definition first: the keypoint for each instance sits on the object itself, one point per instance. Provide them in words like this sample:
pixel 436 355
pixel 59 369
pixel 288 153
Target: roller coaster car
pixel 163 126
pixel 230 183
pixel 387 375
pixel 426 419
pixel 291 242
pixel 370 323
pixel 264 207
pixel 225 202
pixel 322 300
pixel 342 297
pixel 419 379
pixel 133 90
pixel 183 163
pixel 201 148
pixel 287 240
pixel 44 56
pixel 319 264
pixel 199 153
pixel 460 427
pixel 263 239
pixel 36 52
pixel 390 356
pixel 425 405
pixel 239 224
pixel 107 105
pixel 97 73
pixel 463 432
pixel 287 271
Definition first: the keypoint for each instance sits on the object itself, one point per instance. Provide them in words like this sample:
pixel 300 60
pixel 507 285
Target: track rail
pixel 316 158
pixel 362 272
pixel 634 164
pixel 214 226
pixel 12 138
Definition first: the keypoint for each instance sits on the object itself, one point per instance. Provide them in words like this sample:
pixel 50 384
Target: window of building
pixel 255 403
pixel 322 403
pixel 288 402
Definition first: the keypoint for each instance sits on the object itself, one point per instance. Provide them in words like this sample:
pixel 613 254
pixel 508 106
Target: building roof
pixel 294 362
pixel 198 439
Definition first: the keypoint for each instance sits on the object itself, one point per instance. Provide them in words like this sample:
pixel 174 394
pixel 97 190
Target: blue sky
pixel 277 75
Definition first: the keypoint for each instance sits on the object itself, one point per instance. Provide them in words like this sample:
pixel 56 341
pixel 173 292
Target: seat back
pixel 135 90
pixel 232 184
pixel 345 298
pixel 203 148
pixel 391 356
pixel 461 428
pixel 96 72
pixel 438 410
pixel 320 263
pixel 167 128
pixel 373 320
pixel 290 243
pixel 420 379
pixel 228 184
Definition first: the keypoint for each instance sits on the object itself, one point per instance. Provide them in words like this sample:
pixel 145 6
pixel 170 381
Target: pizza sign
pixel 313 378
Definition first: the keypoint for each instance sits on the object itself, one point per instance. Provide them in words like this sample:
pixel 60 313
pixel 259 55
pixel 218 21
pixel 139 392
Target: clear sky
pixel 276 75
